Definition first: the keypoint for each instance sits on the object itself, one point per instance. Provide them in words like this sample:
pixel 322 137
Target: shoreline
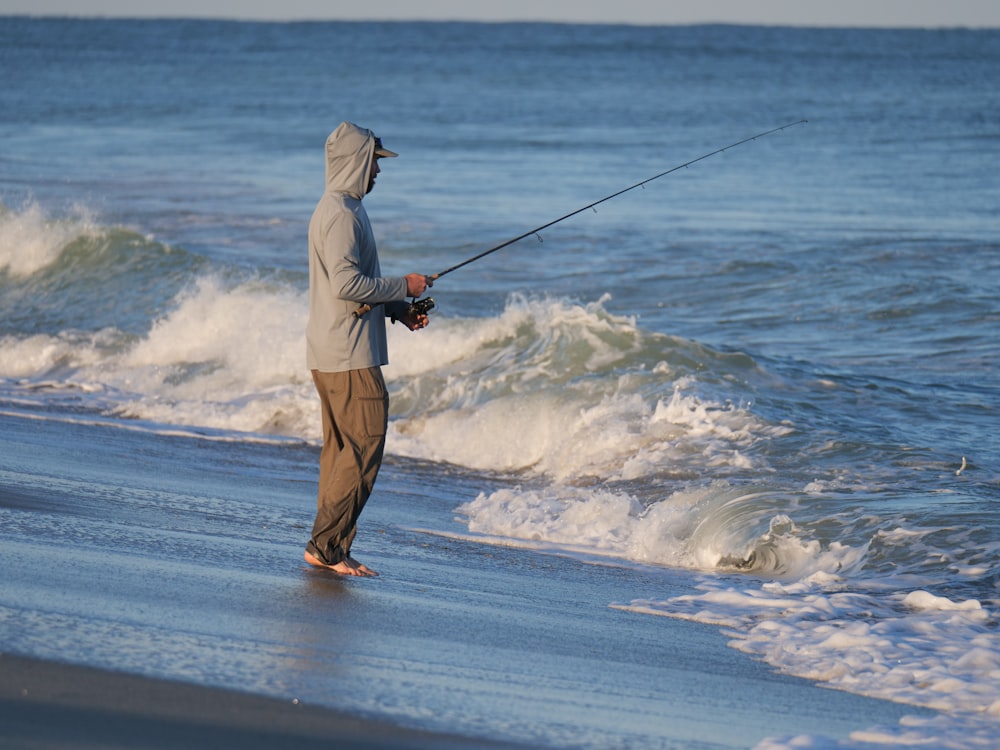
pixel 457 644
pixel 46 705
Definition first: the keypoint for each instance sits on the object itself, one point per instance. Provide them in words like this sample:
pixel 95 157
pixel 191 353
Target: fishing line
pixel 536 230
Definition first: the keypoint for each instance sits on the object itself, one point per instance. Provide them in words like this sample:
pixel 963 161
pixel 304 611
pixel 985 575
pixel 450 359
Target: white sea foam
pixel 550 387
pixel 701 527
pixel 559 389
pixel 31 241
pixel 224 358
pixel 821 617
pixel 913 647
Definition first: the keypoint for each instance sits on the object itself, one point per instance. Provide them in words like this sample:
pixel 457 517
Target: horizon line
pixel 160 16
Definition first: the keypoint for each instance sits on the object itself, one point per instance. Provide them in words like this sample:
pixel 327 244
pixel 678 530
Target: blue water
pixel 777 368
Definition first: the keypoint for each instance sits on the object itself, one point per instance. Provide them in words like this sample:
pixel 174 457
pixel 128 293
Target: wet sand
pixel 169 571
pixel 50 706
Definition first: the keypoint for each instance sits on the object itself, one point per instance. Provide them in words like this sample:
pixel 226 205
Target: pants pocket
pixel 372 402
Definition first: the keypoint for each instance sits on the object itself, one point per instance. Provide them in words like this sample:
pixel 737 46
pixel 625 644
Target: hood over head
pixel 349 151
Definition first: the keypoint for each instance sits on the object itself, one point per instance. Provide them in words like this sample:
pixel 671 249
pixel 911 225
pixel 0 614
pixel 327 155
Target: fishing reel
pixel 422 306
pixel 418 307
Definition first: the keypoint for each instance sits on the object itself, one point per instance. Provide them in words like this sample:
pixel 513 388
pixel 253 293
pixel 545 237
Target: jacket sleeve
pixel 353 268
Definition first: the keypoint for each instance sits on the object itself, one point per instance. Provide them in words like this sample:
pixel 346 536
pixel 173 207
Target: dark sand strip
pixel 49 706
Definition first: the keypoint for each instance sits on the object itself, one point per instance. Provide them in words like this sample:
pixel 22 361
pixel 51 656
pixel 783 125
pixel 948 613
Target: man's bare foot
pixel 361 568
pixel 346 567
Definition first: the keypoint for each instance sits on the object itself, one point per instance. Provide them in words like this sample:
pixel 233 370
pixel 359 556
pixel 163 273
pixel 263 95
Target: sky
pixel 900 13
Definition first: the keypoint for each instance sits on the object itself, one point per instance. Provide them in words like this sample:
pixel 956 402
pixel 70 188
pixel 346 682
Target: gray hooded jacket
pixel 343 264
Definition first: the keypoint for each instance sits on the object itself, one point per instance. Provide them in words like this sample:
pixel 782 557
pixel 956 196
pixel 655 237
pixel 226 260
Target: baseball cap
pixel 381 150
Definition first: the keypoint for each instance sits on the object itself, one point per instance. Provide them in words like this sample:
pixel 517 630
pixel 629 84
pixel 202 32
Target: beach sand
pixel 154 595
pixel 50 706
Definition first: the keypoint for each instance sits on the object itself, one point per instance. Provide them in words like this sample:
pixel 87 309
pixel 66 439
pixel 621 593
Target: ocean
pixel 763 389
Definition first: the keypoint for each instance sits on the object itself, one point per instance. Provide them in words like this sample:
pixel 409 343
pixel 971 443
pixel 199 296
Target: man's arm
pixel 347 278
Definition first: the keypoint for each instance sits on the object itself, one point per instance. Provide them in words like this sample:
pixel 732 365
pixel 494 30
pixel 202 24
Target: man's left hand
pixel 414 321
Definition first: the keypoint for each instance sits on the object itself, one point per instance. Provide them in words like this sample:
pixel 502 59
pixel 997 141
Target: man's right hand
pixel 417 284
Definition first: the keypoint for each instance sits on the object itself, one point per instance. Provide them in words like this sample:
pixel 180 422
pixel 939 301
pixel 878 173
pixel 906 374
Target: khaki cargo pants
pixel 355 406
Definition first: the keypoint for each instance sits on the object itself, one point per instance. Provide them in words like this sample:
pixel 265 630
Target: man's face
pixel 374 173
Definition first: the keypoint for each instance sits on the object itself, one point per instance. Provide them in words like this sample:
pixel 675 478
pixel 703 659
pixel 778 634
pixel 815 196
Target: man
pixel 346 343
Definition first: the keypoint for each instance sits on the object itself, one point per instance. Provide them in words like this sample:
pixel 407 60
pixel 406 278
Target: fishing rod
pixel 596 203
pixel 423 306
